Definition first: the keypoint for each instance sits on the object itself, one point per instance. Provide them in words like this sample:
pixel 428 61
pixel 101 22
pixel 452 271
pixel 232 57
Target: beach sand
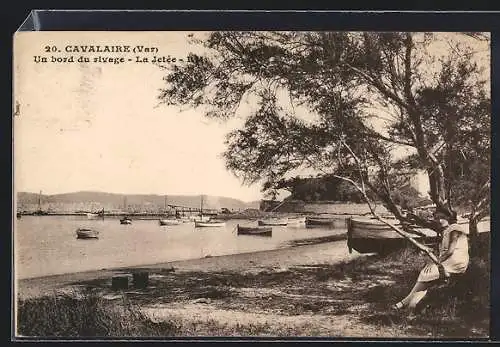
pixel 329 252
pixel 317 290
pixel 201 309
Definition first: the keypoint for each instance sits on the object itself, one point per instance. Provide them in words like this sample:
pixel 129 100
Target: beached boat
pixel 84 233
pixel 170 221
pixel 373 236
pixel 126 220
pixel 211 223
pixel 257 231
pixel 273 222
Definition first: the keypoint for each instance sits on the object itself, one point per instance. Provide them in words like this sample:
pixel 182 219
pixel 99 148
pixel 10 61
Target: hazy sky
pixel 98 126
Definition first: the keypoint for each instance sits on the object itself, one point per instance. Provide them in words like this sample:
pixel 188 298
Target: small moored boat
pixel 199 218
pixel 211 223
pixel 92 215
pixel 84 233
pixel 184 219
pixel 126 220
pixel 170 221
pixel 258 231
pixel 274 221
pixel 296 220
pixel 328 221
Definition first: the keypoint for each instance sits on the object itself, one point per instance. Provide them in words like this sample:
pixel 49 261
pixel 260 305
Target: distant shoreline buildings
pixel 29 203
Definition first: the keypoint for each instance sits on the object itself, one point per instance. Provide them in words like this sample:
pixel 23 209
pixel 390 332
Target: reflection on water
pixel 48 245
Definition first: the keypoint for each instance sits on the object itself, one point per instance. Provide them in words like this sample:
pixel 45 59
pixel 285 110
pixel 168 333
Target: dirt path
pixel 347 325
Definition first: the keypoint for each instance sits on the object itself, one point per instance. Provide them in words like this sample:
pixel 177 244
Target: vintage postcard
pixel 261 183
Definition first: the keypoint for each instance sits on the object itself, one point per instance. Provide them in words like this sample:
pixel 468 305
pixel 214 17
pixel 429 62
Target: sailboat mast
pixel 40 201
pixel 201 206
pixel 165 205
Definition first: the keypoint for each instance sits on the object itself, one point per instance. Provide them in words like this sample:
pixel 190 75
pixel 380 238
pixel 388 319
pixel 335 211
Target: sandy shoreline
pixel 327 252
pixel 307 290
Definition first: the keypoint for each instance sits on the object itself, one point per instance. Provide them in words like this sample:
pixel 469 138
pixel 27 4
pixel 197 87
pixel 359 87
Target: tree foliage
pixel 368 96
pixel 320 188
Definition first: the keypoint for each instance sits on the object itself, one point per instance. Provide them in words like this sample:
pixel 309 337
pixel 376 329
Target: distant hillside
pixel 117 201
pixel 27 198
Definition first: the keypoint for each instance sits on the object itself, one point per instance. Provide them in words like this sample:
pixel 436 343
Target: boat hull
pixel 256 231
pixel 198 224
pixel 278 222
pixel 87 234
pixel 376 237
pixel 199 218
pixel 169 222
pixel 300 220
pixel 311 221
pixel 125 221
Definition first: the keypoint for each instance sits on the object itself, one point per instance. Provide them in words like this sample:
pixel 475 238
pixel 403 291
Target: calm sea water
pixel 48 245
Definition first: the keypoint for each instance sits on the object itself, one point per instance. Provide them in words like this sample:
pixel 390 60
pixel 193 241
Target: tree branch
pixel 407 73
pixel 423 248
pixel 388 139
pixel 380 86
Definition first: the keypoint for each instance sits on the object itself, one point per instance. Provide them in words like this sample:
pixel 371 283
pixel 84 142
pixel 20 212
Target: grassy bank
pixel 85 315
pixel 343 299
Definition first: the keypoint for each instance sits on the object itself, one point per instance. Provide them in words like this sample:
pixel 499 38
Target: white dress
pixel 457 263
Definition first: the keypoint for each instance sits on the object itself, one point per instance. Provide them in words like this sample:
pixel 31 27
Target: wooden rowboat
pixel 373 236
pixel 83 233
pixel 275 222
pixel 170 221
pixel 257 231
pixel 198 224
pixel 311 221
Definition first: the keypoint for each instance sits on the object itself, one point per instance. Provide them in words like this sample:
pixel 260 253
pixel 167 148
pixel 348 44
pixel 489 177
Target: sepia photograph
pixel 284 184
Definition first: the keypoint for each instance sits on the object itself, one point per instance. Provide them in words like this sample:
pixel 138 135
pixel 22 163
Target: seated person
pixel 454 259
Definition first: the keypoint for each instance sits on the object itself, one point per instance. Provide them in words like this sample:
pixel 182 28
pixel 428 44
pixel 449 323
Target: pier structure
pixel 191 210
